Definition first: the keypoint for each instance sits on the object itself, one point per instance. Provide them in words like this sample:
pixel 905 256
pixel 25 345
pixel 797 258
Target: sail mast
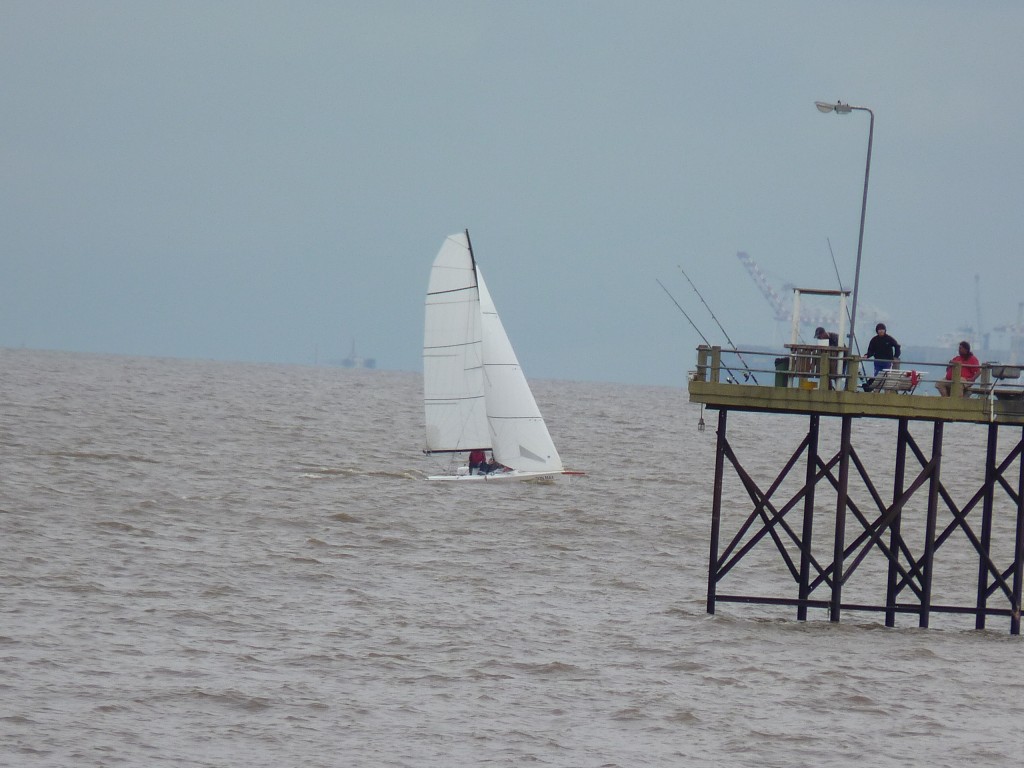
pixel 472 256
pixel 472 260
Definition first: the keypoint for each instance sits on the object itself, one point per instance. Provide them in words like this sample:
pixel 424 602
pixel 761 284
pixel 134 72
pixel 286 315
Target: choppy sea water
pixel 216 564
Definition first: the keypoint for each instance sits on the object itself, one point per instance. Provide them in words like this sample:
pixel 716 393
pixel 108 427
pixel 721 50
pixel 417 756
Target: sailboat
pixel 475 394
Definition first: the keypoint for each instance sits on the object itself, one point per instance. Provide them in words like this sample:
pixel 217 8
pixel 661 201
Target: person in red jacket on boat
pixel 477 462
pixel 969 370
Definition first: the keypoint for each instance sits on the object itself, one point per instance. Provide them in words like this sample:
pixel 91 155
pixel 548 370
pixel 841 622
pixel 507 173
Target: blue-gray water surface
pixel 224 564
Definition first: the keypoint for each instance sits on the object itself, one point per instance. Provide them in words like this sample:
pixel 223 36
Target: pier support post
pixel 838 551
pixel 899 475
pixel 716 509
pixel 1018 550
pixel 808 522
pixel 985 551
pixel 928 559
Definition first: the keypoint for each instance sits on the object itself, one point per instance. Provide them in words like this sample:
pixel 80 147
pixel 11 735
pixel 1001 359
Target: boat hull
pixel 499 477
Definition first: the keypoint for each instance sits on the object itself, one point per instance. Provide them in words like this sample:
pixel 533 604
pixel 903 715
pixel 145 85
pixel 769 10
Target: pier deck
pixel 881 405
pixel 988 400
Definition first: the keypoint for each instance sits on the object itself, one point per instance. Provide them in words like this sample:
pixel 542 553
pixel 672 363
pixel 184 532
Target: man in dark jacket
pixel 883 348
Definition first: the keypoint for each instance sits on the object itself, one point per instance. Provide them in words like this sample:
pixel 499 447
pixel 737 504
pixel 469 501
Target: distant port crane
pixel 782 311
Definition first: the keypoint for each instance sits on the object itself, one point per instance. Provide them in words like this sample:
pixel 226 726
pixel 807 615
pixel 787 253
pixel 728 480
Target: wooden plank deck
pixel 813 382
pixel 879 405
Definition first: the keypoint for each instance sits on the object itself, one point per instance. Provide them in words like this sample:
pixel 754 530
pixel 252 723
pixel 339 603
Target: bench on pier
pixel 993 386
pixel 894 380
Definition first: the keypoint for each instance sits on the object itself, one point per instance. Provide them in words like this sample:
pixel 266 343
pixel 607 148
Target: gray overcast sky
pixel 269 180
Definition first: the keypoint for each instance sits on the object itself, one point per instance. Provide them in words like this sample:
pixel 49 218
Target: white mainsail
pixel 475 393
pixel 453 375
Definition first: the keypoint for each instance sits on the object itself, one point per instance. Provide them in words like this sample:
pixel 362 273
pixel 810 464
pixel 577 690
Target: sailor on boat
pixel 493 466
pixel 477 462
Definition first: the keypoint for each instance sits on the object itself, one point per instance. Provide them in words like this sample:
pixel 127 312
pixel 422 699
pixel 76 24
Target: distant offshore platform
pixel 355 361
pixel 352 361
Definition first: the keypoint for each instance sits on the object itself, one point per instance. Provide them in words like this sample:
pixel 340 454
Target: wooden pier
pixel 876 521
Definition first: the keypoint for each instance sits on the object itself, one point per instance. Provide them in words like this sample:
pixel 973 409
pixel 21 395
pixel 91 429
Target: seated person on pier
pixel 969 370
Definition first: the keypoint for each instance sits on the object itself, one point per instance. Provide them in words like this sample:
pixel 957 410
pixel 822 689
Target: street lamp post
pixel 844 109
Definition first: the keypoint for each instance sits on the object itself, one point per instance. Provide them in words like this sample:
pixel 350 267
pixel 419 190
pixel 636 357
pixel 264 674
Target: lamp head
pixel 839 108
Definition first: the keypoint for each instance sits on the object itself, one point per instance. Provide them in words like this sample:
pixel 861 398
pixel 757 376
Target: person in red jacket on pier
pixel 969 370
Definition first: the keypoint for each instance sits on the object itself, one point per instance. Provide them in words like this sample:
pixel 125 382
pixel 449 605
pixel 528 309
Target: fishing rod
pixel 699 333
pixel 856 344
pixel 749 373
pixel 839 280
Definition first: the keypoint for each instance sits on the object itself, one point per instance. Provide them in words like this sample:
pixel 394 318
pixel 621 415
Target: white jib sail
pixel 453 388
pixel 519 436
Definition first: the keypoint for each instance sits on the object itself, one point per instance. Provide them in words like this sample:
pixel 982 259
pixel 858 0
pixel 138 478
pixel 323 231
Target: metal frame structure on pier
pixel 789 521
